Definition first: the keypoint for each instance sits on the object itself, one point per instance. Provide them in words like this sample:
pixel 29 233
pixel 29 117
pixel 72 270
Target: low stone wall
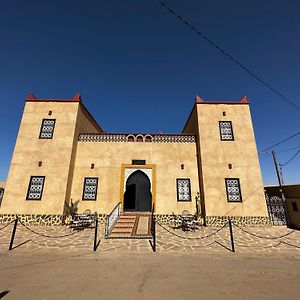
pixel 46 220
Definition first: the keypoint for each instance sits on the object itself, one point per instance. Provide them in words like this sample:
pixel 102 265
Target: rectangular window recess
pixel 35 188
pixel 226 132
pixel 138 162
pixel 47 129
pixel 183 189
pixel 90 188
pixel 233 190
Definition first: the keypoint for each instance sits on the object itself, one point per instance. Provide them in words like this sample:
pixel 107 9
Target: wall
pixel 54 153
pixel 217 154
pixel 109 157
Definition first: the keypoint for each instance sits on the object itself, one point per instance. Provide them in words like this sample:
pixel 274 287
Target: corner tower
pixel 41 171
pixel 229 171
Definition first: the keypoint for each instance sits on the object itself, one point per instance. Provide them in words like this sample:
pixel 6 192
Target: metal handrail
pixel 111 219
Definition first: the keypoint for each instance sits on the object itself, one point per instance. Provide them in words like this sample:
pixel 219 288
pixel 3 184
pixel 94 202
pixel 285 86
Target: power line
pixel 229 55
pixel 267 153
pixel 290 159
pixel 286 139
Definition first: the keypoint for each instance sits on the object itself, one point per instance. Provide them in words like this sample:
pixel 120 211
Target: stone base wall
pixel 218 221
pixel 46 220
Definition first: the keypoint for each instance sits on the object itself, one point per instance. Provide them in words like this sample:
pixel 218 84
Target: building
pixel 61 153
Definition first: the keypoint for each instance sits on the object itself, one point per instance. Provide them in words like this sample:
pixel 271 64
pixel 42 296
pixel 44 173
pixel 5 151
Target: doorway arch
pixel 138 196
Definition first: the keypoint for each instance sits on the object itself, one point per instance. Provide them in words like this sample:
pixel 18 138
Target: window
pixel 35 188
pixel 226 132
pixel 233 190
pixel 138 162
pixel 183 189
pixel 47 129
pixel 90 188
pixel 1 194
pixel 295 206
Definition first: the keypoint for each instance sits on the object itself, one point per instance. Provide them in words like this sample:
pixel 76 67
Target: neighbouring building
pixel 61 153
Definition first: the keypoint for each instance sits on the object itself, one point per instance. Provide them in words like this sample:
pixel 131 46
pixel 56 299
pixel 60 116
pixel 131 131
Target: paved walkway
pixel 169 240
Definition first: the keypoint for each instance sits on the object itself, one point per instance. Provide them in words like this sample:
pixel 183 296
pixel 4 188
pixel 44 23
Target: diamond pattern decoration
pixel 47 129
pixel 90 188
pixel 183 190
pixel 233 190
pixel 35 188
pixel 226 131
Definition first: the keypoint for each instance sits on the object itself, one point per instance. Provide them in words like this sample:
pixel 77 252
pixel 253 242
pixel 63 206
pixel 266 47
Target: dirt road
pixel 51 275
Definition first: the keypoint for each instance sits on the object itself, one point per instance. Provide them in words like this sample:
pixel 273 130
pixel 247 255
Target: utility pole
pixel 277 169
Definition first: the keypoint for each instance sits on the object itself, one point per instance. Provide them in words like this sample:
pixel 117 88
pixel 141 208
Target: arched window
pixel 139 138
pixel 130 138
pixel 148 139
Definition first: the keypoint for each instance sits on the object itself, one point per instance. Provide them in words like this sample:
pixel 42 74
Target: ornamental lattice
pixel 159 138
pixel 90 188
pixel 226 131
pixel 35 188
pixel 233 190
pixel 47 129
pixel 183 190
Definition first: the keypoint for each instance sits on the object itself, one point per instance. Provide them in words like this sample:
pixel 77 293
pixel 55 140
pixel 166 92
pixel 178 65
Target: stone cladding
pixel 47 220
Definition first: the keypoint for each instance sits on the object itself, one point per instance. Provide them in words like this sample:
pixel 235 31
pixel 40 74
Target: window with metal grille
pixel 35 188
pixel 226 132
pixel 233 190
pixel 183 189
pixel 47 129
pixel 90 188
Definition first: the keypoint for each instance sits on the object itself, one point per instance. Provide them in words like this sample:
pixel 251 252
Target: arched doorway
pixel 138 196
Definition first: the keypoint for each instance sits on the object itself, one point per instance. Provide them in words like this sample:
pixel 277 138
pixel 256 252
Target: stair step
pixel 122 230
pixel 123 225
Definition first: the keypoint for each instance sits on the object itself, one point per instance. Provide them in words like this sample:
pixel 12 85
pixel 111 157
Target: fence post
pixel 13 234
pixel 96 231
pixel 231 235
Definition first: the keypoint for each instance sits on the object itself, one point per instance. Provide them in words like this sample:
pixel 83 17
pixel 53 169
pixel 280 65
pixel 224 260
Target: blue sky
pixel 138 68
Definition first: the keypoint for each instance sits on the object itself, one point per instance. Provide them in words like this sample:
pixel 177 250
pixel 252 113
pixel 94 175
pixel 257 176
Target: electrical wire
pixel 229 56
pixel 282 141
pixel 290 159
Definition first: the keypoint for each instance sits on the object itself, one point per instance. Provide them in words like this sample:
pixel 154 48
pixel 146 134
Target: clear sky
pixel 138 68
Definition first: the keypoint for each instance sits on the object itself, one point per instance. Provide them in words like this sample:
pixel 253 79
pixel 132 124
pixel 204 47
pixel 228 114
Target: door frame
pixel 138 167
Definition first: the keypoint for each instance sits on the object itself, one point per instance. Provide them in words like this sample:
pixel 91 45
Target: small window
pixel 183 189
pixel 226 132
pixel 138 162
pixel 233 190
pixel 295 206
pixel 35 188
pixel 47 129
pixel 139 139
pixel 90 188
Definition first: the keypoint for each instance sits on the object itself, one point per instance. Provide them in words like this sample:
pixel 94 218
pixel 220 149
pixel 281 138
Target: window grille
pixel 233 190
pixel 226 132
pixel 47 129
pixel 90 188
pixel 35 188
pixel 183 189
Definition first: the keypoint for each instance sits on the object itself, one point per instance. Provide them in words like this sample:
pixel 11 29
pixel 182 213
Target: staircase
pixel 132 225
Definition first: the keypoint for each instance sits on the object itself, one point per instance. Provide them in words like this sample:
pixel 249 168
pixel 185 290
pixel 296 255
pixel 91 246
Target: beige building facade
pixel 63 155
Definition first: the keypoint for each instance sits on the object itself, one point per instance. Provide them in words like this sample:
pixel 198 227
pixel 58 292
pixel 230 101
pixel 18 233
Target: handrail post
pixel 231 235
pixel 13 234
pixel 96 231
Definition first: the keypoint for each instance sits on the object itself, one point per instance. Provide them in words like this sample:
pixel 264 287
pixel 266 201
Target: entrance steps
pixel 132 225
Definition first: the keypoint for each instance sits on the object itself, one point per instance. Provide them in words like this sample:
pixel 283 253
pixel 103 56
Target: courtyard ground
pixel 194 268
